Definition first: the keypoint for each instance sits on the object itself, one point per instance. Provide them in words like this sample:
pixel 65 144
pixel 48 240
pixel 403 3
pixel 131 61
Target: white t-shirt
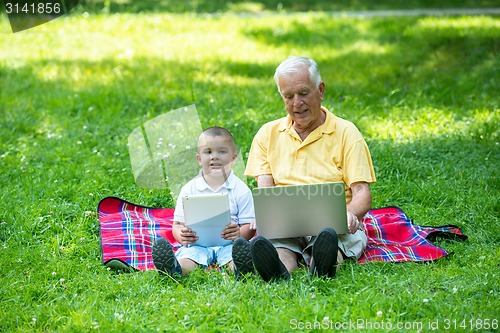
pixel 240 197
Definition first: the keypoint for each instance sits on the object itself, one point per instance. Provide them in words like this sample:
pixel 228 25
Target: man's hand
pixel 360 204
pixel 352 222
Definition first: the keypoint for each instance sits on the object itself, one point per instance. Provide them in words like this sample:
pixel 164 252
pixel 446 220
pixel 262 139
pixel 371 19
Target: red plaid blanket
pixel 393 237
pixel 128 231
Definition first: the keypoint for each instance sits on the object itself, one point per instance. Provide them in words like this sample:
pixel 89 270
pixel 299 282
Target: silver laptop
pixel 207 215
pixel 300 210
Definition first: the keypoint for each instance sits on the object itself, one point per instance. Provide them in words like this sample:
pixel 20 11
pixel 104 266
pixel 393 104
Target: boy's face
pixel 216 154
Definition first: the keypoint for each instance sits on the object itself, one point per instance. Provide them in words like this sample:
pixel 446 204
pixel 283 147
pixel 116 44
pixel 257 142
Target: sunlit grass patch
pixel 478 26
pixel 428 123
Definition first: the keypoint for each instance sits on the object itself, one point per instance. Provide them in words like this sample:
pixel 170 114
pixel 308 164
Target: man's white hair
pixel 294 64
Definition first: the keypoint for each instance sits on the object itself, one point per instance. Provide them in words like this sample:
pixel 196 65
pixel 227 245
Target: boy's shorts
pixel 351 245
pixel 206 256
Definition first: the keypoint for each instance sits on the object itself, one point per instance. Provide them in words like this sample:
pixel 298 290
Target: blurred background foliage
pixel 213 6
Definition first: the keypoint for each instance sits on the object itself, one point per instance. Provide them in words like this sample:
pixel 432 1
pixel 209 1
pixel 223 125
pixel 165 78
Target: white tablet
pixel 207 215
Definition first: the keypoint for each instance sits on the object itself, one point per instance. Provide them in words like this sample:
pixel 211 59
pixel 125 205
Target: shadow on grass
pixel 136 91
pixel 380 67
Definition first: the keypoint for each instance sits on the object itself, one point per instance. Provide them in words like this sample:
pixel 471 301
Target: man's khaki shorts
pixel 351 245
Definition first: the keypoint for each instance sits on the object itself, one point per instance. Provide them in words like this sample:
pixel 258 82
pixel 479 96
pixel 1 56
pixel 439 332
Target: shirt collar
pixel 202 185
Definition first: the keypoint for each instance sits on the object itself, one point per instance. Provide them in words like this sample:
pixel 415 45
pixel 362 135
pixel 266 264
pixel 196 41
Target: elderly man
pixel 309 145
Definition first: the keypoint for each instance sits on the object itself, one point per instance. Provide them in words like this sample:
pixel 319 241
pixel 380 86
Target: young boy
pixel 216 155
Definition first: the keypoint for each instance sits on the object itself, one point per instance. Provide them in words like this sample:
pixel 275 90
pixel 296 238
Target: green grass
pixel 423 90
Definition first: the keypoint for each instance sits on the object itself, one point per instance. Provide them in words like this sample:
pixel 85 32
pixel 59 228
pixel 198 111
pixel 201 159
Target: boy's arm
pixel 233 231
pixel 246 231
pixel 246 214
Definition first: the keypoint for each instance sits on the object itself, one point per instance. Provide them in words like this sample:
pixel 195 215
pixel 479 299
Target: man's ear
pixel 322 89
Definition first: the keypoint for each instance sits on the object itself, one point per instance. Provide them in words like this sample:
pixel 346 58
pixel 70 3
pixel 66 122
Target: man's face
pixel 215 154
pixel 302 99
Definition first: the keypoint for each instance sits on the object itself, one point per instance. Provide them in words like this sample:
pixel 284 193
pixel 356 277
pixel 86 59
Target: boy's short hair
pixel 219 131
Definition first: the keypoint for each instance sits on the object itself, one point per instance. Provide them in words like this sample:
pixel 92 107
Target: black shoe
pixel 119 265
pixel 164 258
pixel 324 254
pixel 266 260
pixel 242 258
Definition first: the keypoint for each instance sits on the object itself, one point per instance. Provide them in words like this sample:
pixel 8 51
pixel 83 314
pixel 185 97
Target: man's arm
pixel 360 204
pixel 265 181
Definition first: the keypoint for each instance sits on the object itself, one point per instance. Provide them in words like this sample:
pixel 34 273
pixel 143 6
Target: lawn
pixel 423 91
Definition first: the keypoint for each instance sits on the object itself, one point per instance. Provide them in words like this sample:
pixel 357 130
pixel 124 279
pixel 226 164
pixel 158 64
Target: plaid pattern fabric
pixel 128 231
pixel 392 237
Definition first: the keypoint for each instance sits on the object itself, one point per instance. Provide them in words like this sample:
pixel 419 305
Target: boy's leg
pixel 187 265
pixel 242 263
pixel 223 256
pixel 164 258
pixel 192 257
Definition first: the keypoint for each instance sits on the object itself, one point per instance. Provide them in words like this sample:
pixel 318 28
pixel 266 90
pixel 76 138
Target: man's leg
pixel 289 258
pixel 353 245
pixel 266 260
pixel 325 253
pixel 340 259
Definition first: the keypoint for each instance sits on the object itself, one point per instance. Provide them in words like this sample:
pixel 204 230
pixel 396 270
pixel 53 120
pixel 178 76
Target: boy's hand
pixel 187 236
pixel 231 231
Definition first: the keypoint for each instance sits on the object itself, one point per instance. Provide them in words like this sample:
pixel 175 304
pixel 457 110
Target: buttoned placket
pixel 311 138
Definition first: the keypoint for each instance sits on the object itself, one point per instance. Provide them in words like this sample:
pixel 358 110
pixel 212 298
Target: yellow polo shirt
pixel 335 151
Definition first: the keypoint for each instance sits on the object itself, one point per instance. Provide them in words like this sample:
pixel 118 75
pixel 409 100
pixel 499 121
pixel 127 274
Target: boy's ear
pixel 198 158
